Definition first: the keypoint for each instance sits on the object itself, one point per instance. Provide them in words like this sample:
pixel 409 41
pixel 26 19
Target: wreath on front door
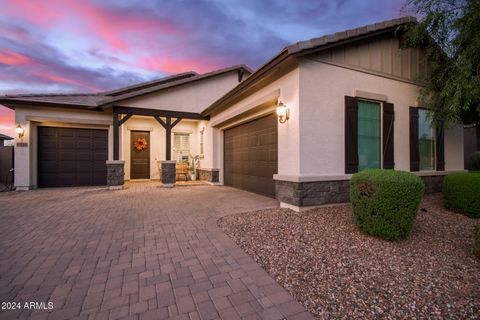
pixel 141 144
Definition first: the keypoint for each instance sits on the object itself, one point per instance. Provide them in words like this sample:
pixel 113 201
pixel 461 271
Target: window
pixel 426 141
pixel 181 147
pixel 369 135
pixel 201 140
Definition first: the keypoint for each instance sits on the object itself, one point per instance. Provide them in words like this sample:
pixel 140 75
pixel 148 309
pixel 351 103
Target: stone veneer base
pixel 300 196
pixel 209 175
pixel 169 173
pixel 115 174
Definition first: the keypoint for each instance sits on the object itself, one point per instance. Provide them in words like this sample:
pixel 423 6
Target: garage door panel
pixel 249 162
pixel 72 157
pixel 85 155
pixel 101 145
pixel 66 132
pixel 85 144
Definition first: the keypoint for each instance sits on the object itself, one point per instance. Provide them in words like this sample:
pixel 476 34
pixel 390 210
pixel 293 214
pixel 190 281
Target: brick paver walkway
pixel 141 253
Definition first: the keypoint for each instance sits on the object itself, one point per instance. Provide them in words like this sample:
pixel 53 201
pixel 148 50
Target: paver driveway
pixel 141 253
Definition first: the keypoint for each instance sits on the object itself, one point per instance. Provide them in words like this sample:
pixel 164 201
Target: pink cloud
pixel 174 64
pixel 13 58
pixel 111 25
pixel 36 12
pixel 60 79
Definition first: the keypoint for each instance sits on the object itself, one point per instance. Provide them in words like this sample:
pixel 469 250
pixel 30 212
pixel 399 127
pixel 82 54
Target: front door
pixel 140 155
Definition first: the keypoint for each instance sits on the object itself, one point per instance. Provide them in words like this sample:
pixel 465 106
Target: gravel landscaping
pixel 335 271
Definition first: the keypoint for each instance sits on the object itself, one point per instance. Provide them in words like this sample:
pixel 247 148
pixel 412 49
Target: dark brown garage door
pixel 250 156
pixel 72 157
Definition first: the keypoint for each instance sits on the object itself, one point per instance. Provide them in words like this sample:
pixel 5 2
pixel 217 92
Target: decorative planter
pixel 193 176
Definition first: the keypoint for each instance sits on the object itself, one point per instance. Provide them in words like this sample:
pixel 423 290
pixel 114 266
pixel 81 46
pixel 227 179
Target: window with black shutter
pixel 426 142
pixel 414 156
pixel 388 146
pixel 351 134
pixel 369 137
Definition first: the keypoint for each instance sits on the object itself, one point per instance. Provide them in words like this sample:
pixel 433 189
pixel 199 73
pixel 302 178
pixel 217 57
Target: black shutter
pixel 351 135
pixel 414 151
pixel 440 148
pixel 388 119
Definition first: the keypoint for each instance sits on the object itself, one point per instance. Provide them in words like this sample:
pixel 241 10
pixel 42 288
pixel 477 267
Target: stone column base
pixel 315 193
pixel 210 175
pixel 115 174
pixel 169 173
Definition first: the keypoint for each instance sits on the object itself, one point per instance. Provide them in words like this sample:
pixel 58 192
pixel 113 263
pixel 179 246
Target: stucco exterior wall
pixel 191 97
pixel 321 125
pixel 31 117
pixel 286 89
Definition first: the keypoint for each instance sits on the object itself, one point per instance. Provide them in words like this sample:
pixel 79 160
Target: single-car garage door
pixel 250 156
pixel 72 157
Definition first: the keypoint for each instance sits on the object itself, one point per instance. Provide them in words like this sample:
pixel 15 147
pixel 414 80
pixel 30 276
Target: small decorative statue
pixel 195 164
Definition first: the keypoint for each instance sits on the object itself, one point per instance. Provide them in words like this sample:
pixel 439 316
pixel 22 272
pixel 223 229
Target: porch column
pixel 115 167
pixel 168 126
pixel 169 170
pixel 168 144
pixel 116 138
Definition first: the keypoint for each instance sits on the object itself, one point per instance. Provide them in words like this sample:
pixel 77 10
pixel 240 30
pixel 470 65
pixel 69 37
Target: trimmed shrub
pixel 475 161
pixel 385 202
pixel 476 240
pixel 461 193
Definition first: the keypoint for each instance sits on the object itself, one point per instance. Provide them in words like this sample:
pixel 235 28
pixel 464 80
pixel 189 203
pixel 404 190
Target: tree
pixel 449 30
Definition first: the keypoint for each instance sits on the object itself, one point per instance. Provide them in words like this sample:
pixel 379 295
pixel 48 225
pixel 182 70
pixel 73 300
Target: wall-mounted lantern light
pixel 20 131
pixel 283 113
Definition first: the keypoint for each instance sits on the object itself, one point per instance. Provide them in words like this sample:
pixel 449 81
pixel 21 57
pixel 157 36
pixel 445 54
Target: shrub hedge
pixel 476 240
pixel 461 193
pixel 475 161
pixel 385 202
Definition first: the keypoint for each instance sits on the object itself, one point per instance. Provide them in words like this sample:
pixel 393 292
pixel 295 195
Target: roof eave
pixel 299 50
pixel 271 64
pixel 11 104
pixel 105 103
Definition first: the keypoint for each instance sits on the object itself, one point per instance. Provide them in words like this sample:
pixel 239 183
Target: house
pixel 3 138
pixel 347 101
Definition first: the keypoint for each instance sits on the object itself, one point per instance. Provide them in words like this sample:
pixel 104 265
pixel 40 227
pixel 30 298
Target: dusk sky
pixel 95 45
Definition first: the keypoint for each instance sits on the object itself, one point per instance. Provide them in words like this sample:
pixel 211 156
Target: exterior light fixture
pixel 283 113
pixel 20 131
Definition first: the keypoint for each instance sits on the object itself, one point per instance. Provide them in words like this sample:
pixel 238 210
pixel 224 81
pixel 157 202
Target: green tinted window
pixel 368 135
pixel 426 141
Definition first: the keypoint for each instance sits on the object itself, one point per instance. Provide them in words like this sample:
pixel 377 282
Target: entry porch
pixel 144 140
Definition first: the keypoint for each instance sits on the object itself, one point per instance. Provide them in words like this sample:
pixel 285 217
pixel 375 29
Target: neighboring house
pixel 352 99
pixel 4 138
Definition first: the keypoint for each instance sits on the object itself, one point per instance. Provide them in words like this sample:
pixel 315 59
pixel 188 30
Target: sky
pixel 49 46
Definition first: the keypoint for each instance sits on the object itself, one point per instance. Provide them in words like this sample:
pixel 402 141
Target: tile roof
pixel 95 100
pixel 86 100
pixel 348 34
pixel 5 137
pixel 304 47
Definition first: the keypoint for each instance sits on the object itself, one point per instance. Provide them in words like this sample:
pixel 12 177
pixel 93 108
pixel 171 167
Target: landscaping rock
pixel 335 271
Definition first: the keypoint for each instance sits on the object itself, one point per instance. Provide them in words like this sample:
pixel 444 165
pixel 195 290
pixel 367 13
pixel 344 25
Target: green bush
pixel 385 202
pixel 475 161
pixel 461 193
pixel 476 240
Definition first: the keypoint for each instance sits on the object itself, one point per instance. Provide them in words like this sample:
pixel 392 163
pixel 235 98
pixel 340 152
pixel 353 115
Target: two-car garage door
pixel 72 157
pixel 250 156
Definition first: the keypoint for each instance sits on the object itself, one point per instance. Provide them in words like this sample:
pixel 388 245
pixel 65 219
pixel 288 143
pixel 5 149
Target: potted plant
pixel 195 163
